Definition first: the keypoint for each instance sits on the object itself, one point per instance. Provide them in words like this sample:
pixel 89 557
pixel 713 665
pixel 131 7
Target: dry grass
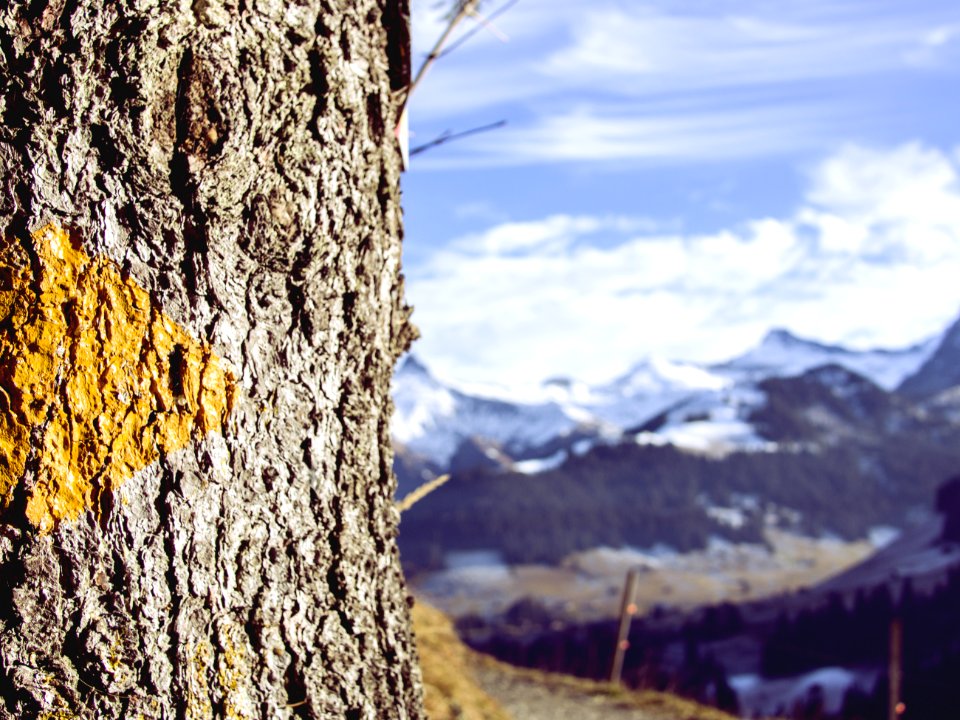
pixel 450 691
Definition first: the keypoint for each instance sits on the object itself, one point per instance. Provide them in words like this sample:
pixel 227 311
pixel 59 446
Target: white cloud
pixel 632 49
pixel 479 210
pixel 941 35
pixel 912 182
pixel 872 255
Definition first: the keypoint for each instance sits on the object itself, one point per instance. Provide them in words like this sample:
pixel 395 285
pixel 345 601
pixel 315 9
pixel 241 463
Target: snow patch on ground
pixel 713 423
pixel 762 697
pixel 466 572
pixel 883 535
pixel 710 437
pixel 731 517
pixel 603 561
pixel 539 465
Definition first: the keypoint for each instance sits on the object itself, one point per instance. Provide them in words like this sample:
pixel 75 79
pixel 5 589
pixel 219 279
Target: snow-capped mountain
pixel 651 387
pixel 793 435
pixel 434 420
pixel 782 354
pixel 940 370
pixel 702 408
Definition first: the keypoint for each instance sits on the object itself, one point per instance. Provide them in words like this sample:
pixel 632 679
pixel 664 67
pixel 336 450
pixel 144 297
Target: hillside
pixel 940 371
pixel 463 685
pixel 826 452
pixel 451 691
pixel 639 496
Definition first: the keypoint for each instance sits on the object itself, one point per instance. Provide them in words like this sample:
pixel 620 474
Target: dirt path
pixel 527 699
pixel 528 695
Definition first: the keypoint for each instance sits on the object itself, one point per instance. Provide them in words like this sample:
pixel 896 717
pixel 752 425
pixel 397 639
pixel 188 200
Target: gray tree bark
pixel 235 160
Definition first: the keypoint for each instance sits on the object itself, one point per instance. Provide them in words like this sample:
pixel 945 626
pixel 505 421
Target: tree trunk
pixel 200 310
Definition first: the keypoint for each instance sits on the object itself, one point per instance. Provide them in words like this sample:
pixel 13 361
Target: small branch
pixel 466 8
pixel 448 136
pixel 421 492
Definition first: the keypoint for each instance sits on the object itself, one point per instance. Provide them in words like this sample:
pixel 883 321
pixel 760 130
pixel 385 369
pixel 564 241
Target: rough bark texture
pixel 235 160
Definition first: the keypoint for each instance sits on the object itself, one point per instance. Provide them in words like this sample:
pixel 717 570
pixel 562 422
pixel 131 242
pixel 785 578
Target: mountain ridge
pixel 940 371
pixel 433 420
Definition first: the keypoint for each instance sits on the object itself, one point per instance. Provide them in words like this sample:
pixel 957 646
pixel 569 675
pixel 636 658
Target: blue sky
pixel 676 178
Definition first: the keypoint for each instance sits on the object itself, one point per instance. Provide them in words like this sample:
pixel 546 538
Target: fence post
pixel 627 610
pixel 896 667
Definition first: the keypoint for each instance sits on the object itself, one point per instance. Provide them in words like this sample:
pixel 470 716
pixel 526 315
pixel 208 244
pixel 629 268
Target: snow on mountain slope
pixel 940 371
pixel 783 354
pixel 917 554
pixel 700 408
pixel 651 387
pixel 434 420
pixel 714 422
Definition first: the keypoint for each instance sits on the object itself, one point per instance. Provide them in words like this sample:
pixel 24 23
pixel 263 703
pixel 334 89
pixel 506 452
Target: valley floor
pixel 588 585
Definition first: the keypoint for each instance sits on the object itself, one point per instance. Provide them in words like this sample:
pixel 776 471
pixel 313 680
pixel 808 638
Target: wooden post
pixel 896 665
pixel 627 610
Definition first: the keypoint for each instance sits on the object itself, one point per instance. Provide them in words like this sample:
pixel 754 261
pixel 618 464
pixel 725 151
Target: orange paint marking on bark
pixel 95 382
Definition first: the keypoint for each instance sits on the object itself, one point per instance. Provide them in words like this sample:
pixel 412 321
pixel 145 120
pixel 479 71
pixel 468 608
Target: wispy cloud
pixel 666 50
pixel 870 256
pixel 669 81
pixel 938 47
pixel 641 133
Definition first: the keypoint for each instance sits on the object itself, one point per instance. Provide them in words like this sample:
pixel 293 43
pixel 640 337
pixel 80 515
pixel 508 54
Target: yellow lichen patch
pixel 232 669
pixel 197 698
pixel 94 376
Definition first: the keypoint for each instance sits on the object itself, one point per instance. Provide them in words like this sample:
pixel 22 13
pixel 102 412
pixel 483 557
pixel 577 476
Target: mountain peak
pixel 941 370
pixel 783 354
pixel 780 335
pixel 783 338
pixel 411 364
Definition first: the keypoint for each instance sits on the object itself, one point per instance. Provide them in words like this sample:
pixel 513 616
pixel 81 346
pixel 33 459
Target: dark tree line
pixel 856 635
pixel 642 495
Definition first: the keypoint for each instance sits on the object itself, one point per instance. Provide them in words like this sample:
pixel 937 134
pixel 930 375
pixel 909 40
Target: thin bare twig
pixel 448 136
pixel 466 8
